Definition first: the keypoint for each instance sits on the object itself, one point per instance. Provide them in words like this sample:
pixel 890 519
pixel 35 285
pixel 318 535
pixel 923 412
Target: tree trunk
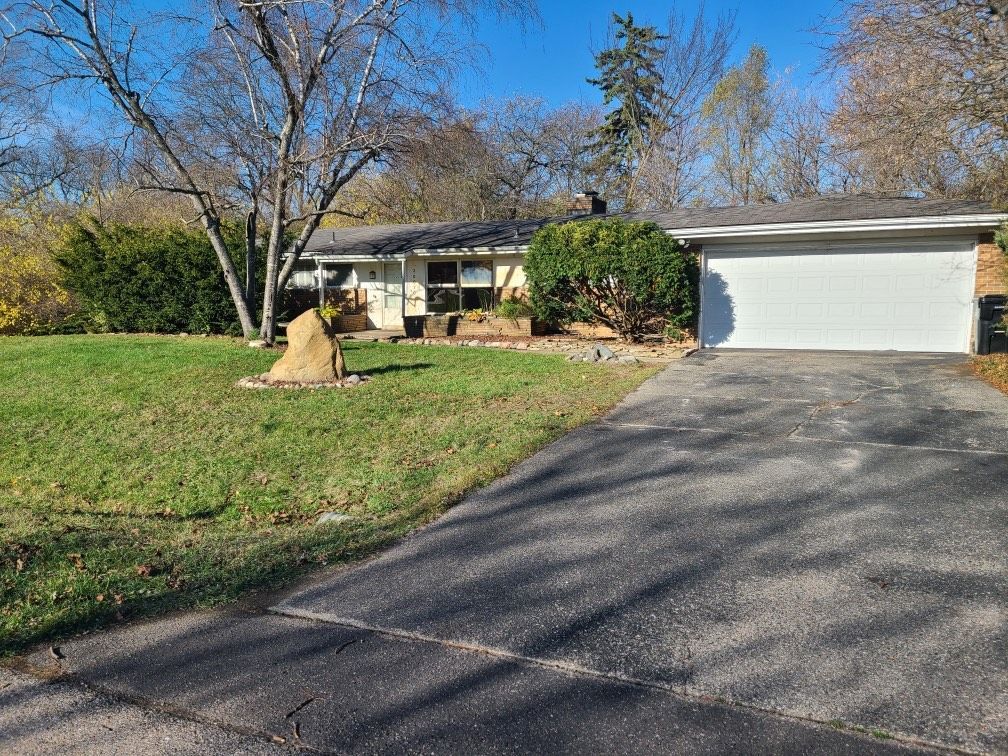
pixel 212 226
pixel 250 261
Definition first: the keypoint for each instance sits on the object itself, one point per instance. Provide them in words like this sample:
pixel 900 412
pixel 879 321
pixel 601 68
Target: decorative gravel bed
pixel 265 381
pixel 577 349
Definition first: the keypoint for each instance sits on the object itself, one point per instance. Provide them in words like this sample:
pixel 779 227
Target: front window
pixel 443 287
pixel 459 285
pixel 304 276
pixel 338 276
pixel 477 284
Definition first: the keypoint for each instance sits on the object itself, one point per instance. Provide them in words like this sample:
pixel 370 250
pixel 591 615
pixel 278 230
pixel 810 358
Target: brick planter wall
pixel 349 323
pixel 441 326
pixel 498 327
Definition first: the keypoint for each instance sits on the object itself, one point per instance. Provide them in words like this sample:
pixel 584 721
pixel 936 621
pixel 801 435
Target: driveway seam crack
pixel 682 691
pixel 789 436
pixel 144 703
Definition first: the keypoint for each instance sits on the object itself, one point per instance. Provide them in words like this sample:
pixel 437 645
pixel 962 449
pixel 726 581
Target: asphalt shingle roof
pixel 837 207
pixel 397 239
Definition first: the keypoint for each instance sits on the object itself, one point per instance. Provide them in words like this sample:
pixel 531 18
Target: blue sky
pixel 551 60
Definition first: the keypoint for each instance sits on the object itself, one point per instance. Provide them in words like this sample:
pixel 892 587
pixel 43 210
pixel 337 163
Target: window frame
pixel 459 289
pixel 481 264
pixel 352 281
pixel 313 272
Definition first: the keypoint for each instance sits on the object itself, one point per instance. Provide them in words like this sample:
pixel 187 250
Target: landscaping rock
pixel 258 344
pixel 628 359
pixel 352 380
pixel 575 358
pixel 333 518
pixel 313 354
pixel 604 352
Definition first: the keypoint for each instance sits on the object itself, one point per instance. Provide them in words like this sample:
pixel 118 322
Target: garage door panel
pixel 875 312
pixel 809 285
pixel 780 311
pixel 888 297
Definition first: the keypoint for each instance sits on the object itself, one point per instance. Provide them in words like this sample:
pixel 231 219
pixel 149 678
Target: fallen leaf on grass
pixel 78 562
pixel 144 570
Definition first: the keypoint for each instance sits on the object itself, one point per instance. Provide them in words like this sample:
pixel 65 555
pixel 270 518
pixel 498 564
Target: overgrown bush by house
pixel 630 276
pixel 155 279
pixel 32 299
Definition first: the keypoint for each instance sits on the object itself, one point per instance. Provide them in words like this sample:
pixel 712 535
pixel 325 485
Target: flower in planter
pixel 330 311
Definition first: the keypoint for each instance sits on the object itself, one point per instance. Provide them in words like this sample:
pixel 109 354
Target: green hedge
pixel 630 276
pixel 150 279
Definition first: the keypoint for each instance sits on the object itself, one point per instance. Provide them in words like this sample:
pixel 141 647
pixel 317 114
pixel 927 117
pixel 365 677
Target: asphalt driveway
pixel 821 536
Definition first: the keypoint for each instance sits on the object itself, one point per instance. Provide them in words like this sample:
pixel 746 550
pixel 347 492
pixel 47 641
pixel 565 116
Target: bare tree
pixel 510 159
pixel 443 171
pixel 925 102
pixel 672 171
pixel 740 114
pixel 801 151
pixel 258 110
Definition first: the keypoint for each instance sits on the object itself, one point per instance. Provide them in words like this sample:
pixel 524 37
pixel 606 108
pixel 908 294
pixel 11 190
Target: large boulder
pixel 313 353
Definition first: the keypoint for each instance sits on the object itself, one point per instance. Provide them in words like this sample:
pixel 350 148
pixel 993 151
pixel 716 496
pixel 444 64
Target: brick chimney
pixel 586 203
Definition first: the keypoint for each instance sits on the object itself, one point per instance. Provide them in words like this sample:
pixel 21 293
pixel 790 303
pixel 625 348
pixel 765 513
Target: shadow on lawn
pixel 398 367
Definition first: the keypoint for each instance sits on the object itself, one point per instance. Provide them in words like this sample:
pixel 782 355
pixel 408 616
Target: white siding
pixel 416 282
pixel 373 288
pixel 509 272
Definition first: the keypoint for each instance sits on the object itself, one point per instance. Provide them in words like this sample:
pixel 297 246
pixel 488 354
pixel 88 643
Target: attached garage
pixel 912 295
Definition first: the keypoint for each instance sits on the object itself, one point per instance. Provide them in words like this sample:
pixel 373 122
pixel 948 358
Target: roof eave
pixel 978 222
pixel 482 250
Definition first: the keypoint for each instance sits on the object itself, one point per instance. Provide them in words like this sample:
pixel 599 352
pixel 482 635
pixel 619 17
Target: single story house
pixel 857 272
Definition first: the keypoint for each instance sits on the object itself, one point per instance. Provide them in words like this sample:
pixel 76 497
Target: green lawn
pixel 136 478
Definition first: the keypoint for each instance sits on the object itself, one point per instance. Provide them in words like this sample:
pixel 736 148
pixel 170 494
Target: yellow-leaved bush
pixel 32 298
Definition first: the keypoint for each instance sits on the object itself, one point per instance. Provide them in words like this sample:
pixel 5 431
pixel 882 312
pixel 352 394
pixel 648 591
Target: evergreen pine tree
pixel 630 81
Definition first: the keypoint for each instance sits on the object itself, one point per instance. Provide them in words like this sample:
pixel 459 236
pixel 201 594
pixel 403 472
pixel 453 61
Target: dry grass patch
pixel 993 368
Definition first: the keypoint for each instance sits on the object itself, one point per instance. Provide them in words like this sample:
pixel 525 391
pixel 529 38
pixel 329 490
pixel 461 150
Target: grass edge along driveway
pixel 135 478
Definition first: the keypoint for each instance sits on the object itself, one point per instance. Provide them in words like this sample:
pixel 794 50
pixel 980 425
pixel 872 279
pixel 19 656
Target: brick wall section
pixel 348 323
pixel 515 292
pixel 990 267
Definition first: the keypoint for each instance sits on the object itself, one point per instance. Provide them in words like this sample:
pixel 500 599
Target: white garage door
pixel 911 296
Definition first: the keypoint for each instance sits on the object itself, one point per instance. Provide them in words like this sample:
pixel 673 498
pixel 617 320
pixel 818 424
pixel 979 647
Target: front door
pixel 392 297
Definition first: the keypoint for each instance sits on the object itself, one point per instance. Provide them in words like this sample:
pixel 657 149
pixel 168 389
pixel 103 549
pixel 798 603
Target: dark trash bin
pixel 991 324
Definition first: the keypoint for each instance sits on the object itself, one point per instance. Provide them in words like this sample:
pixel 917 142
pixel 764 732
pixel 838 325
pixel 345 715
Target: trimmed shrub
pixel 513 309
pixel 630 276
pixel 155 279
